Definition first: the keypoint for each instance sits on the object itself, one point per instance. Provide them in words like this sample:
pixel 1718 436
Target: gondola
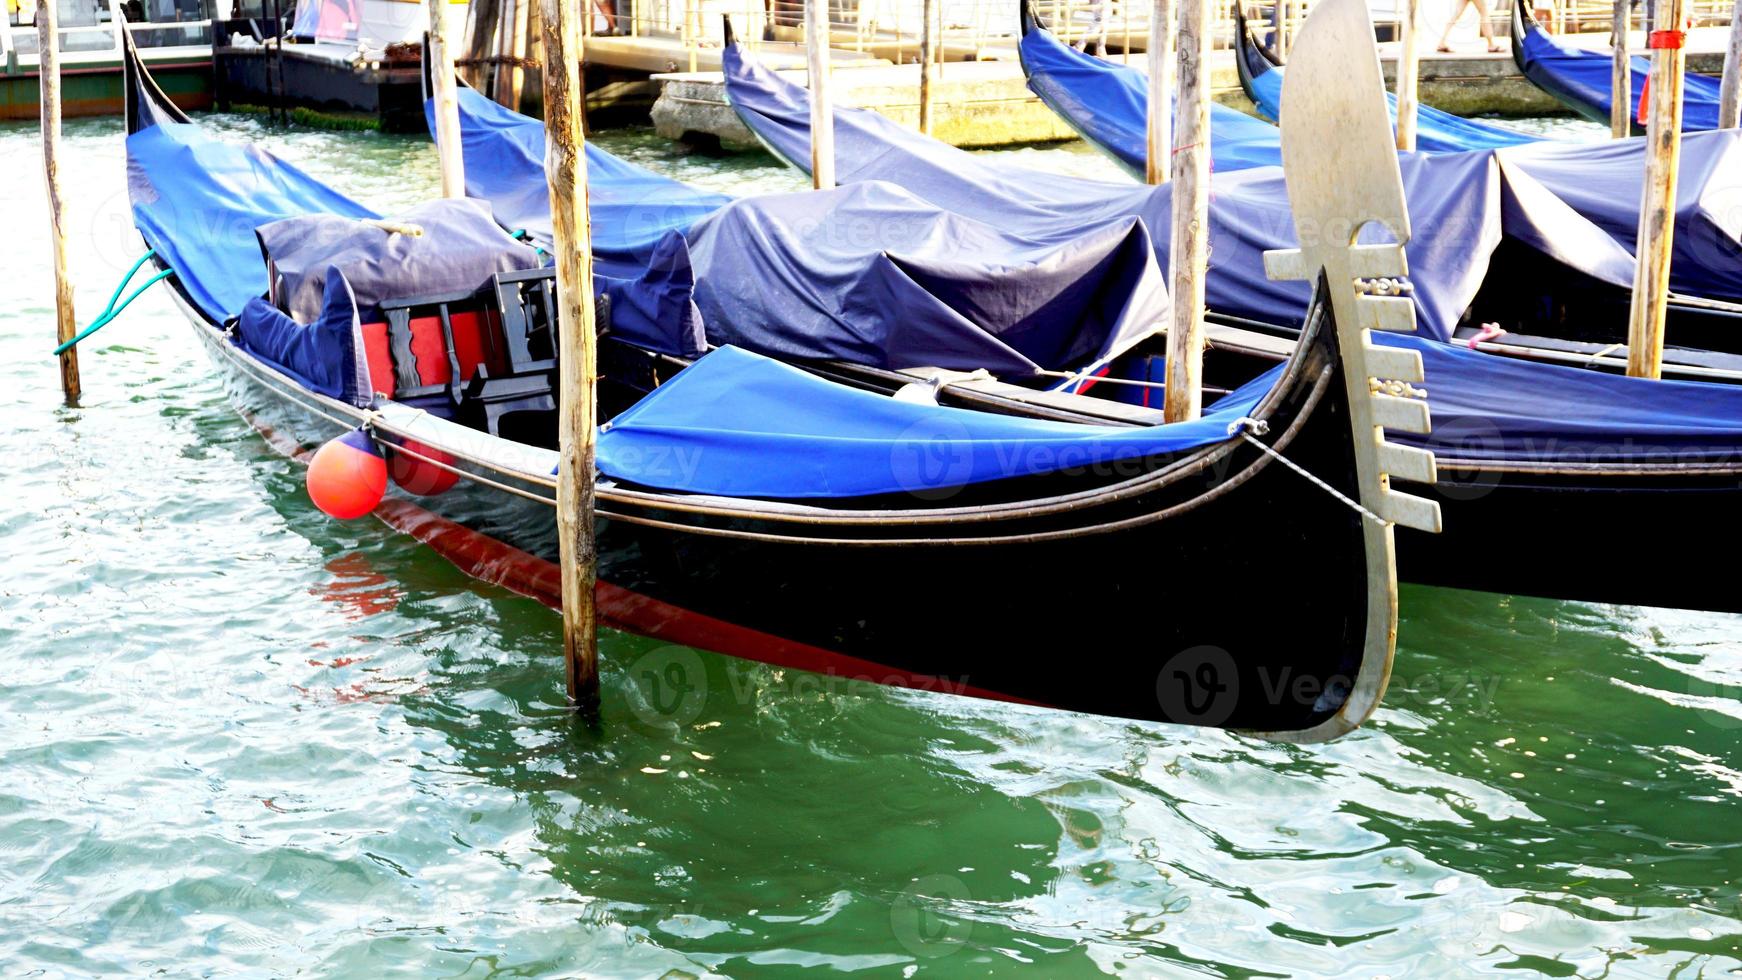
pixel 1547 258
pixel 1261 73
pixel 965 537
pixel 1540 461
pixel 1581 80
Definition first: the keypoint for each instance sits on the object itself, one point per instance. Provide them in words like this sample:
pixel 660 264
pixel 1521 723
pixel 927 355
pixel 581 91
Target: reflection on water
pixel 241 737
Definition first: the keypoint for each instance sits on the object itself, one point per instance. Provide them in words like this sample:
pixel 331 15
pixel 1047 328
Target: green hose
pixel 112 311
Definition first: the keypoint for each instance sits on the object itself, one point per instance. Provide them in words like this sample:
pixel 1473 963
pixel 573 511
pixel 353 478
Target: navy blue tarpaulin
pixel 872 274
pixel 1460 205
pixel 1576 203
pixel 1581 79
pixel 734 422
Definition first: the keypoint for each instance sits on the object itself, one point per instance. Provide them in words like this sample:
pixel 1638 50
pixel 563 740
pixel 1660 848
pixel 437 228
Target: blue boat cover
pixel 197 201
pixel 1487 407
pixel 733 423
pixel 739 424
pixel 1558 198
pixel 325 355
pixel 1108 105
pixel 1435 131
pixel 1580 79
pixel 632 208
pixel 871 273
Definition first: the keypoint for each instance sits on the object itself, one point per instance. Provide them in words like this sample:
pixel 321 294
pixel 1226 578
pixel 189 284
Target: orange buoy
pixel 418 475
pixel 347 477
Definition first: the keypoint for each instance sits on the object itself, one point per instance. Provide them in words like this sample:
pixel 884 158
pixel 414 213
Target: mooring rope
pixel 1246 426
pixel 112 311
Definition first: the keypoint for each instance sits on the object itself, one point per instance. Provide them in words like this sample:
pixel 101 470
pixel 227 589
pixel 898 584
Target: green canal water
pixel 239 738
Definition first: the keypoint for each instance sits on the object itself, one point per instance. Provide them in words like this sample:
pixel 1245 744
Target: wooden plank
pixel 1663 143
pixel 566 161
pixel 48 43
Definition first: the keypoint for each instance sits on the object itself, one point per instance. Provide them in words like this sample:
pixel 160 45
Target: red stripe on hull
pixel 499 563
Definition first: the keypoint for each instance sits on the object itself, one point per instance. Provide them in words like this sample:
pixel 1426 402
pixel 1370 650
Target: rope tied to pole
pixel 112 311
pixel 1248 428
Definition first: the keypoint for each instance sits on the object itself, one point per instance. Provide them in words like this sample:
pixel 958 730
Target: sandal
pixel 1444 49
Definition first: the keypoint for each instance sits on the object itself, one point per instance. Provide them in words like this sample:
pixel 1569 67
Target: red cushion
pixel 477 340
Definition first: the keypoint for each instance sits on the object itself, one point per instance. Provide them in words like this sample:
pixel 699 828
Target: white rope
pixel 1240 428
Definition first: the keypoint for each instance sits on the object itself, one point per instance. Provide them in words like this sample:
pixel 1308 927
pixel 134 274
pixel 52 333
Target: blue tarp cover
pixel 734 423
pixel 743 425
pixel 632 208
pixel 1576 203
pixel 872 273
pixel 1524 412
pixel 1580 78
pixel 197 201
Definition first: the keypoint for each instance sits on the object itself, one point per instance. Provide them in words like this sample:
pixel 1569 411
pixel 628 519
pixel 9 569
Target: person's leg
pixel 1445 44
pixel 1485 25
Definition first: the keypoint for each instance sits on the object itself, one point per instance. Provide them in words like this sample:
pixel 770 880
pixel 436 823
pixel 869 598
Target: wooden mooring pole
pixel 566 162
pixel 447 101
pixel 1408 73
pixel 1189 256
pixel 1663 143
pixel 48 41
pixel 1620 74
pixel 1160 147
pixel 816 43
pixel 927 52
pixel 1730 91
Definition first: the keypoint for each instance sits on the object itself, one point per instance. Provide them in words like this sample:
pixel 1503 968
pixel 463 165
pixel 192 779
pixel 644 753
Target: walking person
pixel 1484 24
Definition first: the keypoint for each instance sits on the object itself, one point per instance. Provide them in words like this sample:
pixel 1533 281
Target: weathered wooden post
pixel 1663 143
pixel 1189 256
pixel 1620 75
pixel 1160 92
pixel 447 102
pixel 816 42
pixel 566 162
pixel 1730 92
pixel 48 42
pixel 927 51
pixel 1408 73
